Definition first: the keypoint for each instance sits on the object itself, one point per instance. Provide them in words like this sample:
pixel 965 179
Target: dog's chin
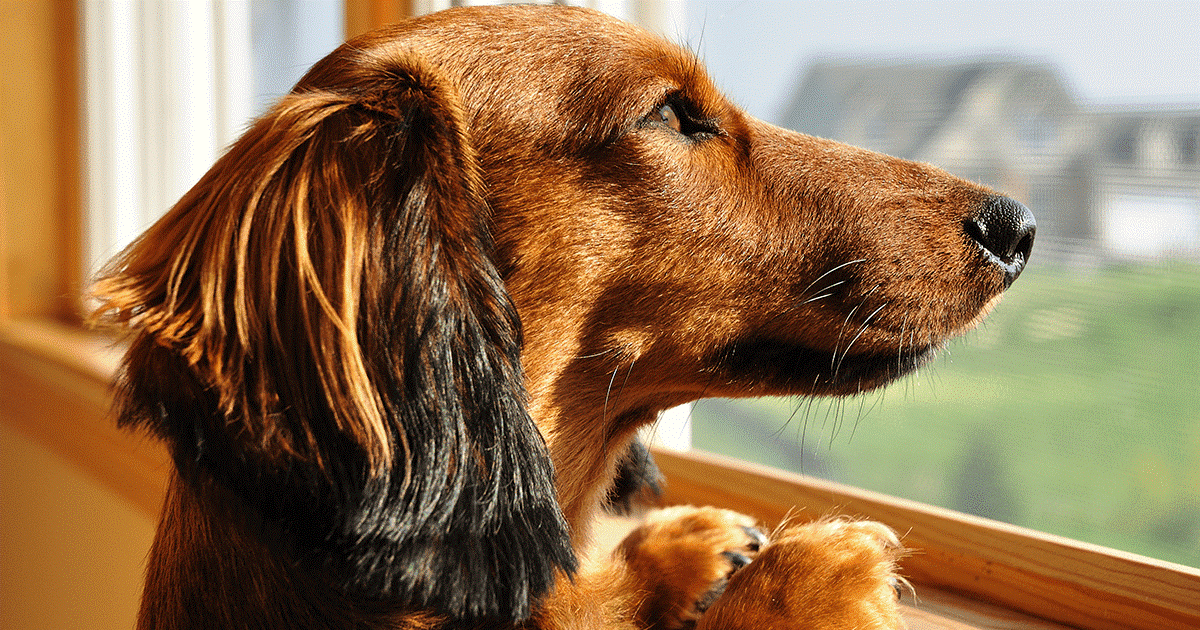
pixel 774 367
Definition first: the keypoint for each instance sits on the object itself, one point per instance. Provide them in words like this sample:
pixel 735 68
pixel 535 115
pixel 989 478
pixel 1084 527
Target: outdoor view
pixel 1075 409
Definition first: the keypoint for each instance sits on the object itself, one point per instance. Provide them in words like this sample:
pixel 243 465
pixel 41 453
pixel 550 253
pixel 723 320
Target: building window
pixel 1189 146
pixel 1124 147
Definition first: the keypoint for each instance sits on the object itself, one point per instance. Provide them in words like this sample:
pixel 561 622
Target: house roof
pixel 898 106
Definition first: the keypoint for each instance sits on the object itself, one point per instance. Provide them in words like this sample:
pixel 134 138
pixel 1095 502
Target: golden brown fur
pixel 401 335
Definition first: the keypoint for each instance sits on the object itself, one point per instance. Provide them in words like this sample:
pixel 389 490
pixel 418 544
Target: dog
pixel 400 338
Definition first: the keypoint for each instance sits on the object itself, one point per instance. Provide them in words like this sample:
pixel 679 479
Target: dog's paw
pixel 683 558
pixel 827 574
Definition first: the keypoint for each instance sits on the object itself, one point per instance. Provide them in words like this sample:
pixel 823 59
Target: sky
pixel 1132 53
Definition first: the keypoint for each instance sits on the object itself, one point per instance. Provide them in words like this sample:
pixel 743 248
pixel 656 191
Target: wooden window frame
pixel 969 572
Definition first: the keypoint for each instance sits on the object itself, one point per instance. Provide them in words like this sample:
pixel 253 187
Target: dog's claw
pixel 736 560
pixel 758 539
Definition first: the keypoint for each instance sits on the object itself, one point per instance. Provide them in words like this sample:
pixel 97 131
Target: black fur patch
pixel 638 483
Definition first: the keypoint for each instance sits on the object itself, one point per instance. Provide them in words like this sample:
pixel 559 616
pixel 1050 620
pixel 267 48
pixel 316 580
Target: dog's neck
pixel 581 397
pixel 585 474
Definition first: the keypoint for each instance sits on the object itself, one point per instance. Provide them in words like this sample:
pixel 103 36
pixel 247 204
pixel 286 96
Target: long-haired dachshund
pixel 400 337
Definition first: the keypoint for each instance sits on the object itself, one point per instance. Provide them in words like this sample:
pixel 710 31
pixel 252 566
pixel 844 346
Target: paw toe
pixel 847 569
pixel 686 557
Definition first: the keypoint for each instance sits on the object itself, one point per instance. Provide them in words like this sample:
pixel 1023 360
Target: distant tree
pixel 982 484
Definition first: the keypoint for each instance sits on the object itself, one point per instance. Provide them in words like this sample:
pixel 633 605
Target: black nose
pixel 1005 229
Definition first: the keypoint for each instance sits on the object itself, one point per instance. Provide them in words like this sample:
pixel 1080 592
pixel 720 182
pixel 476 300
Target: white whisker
pixel 845 264
pixel 611 380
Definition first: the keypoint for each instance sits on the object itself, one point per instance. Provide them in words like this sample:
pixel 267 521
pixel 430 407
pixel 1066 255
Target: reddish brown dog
pixel 401 335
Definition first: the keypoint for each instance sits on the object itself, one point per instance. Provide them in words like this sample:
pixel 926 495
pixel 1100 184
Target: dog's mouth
pixel 773 367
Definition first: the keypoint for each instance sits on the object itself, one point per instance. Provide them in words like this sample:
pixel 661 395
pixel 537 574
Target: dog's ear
pixel 319 327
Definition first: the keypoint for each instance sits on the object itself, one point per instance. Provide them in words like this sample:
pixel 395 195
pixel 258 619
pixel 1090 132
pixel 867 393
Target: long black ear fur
pixel 319 328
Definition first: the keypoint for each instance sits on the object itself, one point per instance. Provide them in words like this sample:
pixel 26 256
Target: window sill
pixel 54 389
pixel 969 572
pixel 964 560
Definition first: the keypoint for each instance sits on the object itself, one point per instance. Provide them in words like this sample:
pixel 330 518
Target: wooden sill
pixel 1048 577
pixel 969 572
pixel 54 389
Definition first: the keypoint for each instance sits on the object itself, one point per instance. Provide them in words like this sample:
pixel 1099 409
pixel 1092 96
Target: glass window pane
pixel 288 36
pixel 1075 408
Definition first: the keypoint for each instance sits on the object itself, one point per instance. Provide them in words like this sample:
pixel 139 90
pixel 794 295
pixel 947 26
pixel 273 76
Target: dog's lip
pixel 791 368
pixel 861 373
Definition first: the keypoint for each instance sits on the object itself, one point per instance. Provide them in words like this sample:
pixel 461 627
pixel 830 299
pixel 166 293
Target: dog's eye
pixel 677 114
pixel 666 115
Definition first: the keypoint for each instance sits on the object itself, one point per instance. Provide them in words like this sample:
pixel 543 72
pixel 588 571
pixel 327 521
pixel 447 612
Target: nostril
pixel 1005 229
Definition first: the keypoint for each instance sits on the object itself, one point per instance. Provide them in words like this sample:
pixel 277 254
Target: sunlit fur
pixel 322 333
pixel 400 337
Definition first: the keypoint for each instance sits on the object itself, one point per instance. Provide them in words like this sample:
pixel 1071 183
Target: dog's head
pixel 328 324
pixel 640 217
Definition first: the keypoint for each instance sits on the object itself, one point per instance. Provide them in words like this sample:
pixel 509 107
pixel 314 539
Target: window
pixel 1069 411
pixel 52 375
pixel 169 84
pixel 1075 408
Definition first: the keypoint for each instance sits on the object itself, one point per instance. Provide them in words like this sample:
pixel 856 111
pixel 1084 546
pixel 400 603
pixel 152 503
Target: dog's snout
pixel 1004 228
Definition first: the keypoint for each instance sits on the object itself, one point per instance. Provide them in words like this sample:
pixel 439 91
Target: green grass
pixel 1075 409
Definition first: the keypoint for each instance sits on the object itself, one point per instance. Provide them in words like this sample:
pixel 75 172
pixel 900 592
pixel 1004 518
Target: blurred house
pixel 1103 183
